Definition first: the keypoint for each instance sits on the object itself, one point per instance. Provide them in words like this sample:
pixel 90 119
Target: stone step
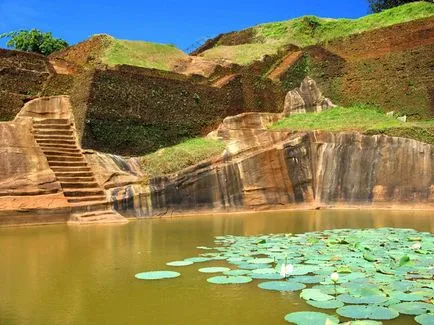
pixel 60 153
pixel 107 217
pixel 83 192
pixel 54 137
pixel 60 148
pixel 51 121
pixel 52 126
pixel 87 206
pixel 39 133
pixel 58 143
pixel 76 184
pixel 80 201
pixel 70 169
pixel 65 158
pixel 67 164
pixel 68 179
pixel 74 174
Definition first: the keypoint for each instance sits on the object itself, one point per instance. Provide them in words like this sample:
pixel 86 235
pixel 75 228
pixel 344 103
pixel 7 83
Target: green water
pixel 85 275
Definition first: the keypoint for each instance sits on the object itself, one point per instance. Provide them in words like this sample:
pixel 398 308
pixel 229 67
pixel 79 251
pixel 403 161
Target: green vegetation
pixel 311 30
pixel 141 54
pixel 185 154
pixel 380 5
pixel 242 54
pixel 362 118
pixel 34 41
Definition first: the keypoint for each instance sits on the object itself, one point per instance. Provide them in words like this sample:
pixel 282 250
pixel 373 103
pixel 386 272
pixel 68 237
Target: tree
pixel 380 5
pixel 34 41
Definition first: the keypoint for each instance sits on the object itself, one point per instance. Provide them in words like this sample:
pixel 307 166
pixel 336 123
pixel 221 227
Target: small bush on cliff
pixel 34 41
pixel 172 159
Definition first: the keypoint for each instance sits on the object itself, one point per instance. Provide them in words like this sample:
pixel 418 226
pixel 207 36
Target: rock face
pixel 45 169
pixel 24 169
pixel 307 98
pixel 303 169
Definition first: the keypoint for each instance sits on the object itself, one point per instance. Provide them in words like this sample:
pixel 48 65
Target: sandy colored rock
pixel 24 169
pixel 307 98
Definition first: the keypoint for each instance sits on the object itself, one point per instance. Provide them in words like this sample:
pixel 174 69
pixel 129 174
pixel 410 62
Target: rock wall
pixel 301 169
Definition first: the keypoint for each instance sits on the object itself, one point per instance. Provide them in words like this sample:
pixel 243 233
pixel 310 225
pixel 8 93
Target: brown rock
pixel 307 98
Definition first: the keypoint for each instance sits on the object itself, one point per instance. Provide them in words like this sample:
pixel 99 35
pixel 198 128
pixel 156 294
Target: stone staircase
pixel 57 140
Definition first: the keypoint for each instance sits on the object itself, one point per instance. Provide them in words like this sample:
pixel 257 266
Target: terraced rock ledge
pixel 50 129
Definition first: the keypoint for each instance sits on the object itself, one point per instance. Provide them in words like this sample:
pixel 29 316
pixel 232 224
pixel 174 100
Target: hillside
pixel 251 44
pixel 105 49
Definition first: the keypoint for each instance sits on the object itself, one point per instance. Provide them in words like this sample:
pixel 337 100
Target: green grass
pixel 362 118
pixel 242 54
pixel 311 30
pixel 142 54
pixel 180 156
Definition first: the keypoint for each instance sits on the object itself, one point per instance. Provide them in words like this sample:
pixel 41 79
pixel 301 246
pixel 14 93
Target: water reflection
pixel 83 275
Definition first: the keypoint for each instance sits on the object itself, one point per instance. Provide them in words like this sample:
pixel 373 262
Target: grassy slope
pixel 361 118
pixel 185 154
pixel 141 54
pixel 312 30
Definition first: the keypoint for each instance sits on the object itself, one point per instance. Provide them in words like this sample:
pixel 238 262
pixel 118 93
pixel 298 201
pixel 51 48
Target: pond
pixel 85 274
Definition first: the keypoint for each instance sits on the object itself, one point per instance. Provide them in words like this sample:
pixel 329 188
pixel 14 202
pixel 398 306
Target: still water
pixel 85 275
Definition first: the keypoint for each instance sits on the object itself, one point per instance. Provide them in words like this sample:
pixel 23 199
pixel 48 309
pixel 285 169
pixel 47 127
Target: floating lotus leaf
pixel 363 322
pixel 407 296
pixel 281 285
pixel 426 319
pixel 269 276
pixel 179 263
pixel 367 312
pixel 229 279
pixel 213 269
pixel 197 259
pixel 264 271
pixel 329 304
pixel 156 275
pixel 260 261
pixel 372 299
pixel 315 294
pixel 308 279
pixel 204 247
pixel 413 308
pixel 248 266
pixel 310 317
pixel 330 289
pixel 236 272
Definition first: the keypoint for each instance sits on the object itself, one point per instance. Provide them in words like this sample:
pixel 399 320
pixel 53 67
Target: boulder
pixel 307 98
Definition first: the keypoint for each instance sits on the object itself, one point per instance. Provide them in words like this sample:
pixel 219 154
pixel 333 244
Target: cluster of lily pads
pixel 366 275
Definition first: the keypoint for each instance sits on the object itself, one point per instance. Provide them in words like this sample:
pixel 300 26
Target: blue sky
pixel 177 22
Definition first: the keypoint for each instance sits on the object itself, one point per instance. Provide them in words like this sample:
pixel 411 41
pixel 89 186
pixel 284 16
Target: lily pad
pixel 179 263
pixel 369 299
pixel 229 279
pixel 315 294
pixel 413 308
pixel 367 312
pixel 156 275
pixel 214 269
pixel 426 319
pixel 281 285
pixel 310 317
pixel 329 304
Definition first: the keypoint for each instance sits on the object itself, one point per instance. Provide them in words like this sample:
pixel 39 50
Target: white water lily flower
pixel 286 269
pixel 283 270
pixel 416 245
pixel 335 276
pixel 289 269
